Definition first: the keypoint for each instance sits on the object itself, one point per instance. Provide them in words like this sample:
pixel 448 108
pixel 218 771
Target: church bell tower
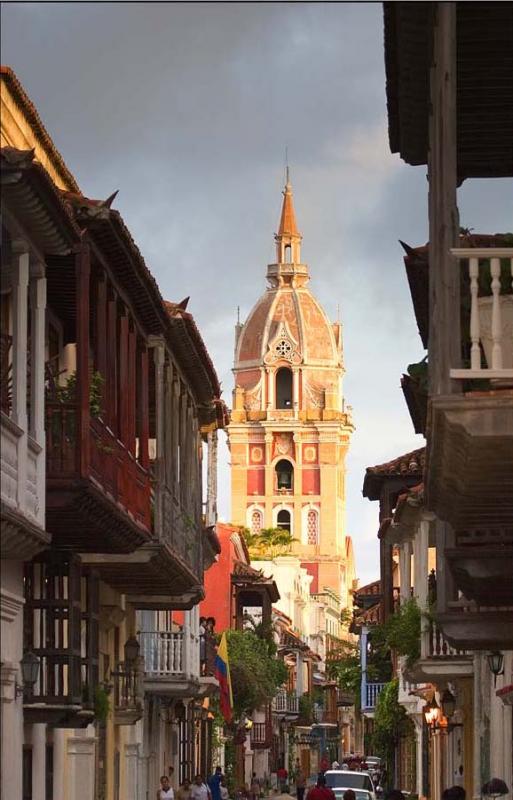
pixel 290 427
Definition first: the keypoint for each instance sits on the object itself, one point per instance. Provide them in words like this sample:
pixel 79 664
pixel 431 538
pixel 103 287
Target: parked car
pixel 373 765
pixel 361 794
pixel 339 780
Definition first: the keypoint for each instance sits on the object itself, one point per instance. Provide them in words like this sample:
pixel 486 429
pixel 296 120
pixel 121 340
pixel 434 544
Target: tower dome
pixel 288 328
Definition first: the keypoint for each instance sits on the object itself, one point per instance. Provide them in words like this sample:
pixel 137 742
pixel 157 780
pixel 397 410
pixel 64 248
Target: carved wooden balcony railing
pixel 261 735
pixel 6 372
pixel 61 628
pixel 104 506
pixel 178 531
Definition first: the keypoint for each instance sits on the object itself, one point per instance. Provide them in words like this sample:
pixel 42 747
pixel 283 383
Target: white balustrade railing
pixel 285 703
pixel 491 314
pixel 167 653
pixel 435 645
pixel 372 692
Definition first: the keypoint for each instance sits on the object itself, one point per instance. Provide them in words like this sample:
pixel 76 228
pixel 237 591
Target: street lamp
pixel 29 671
pixel 448 703
pixel 131 651
pixel 496 664
pixel 431 713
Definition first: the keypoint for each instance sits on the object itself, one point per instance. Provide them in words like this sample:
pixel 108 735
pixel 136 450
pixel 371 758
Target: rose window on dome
pixel 312 528
pixel 283 349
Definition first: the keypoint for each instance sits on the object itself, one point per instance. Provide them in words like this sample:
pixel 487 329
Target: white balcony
pixel 491 313
pixel 469 478
pixel 22 414
pixel 439 660
pixel 175 663
pixel 286 704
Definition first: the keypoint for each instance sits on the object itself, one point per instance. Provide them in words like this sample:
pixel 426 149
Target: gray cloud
pixel 187 109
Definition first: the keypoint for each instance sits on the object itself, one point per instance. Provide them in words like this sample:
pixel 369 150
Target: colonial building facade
pixel 108 400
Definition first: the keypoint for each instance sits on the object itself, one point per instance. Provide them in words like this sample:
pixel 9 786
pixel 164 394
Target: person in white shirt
pixel 335 765
pixel 200 790
pixel 165 792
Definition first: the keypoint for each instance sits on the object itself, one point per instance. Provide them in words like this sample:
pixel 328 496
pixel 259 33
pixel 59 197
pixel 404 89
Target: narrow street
pixel 256 401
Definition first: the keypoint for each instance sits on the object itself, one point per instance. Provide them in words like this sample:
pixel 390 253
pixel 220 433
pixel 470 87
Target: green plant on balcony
pixel 401 632
pixel 67 392
pixel 101 704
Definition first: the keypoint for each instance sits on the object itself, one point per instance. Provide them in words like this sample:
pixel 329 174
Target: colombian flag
pixel 222 673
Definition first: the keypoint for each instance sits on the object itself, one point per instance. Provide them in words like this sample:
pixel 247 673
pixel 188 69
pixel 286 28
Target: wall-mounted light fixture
pixel 29 671
pixel 496 664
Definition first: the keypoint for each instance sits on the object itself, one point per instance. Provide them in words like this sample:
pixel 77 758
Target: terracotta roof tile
pixel 408 464
pixel 29 109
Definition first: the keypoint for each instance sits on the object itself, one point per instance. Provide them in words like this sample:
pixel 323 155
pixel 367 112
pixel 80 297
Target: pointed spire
pixel 288 224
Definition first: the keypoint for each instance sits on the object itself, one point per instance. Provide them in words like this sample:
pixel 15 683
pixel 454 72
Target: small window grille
pixel 256 522
pixel 312 528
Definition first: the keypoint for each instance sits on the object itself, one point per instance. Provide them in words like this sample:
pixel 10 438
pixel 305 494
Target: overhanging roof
pixel 484 79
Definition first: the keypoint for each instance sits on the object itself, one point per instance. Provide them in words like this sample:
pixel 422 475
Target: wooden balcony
pixel 325 716
pixel 469 626
pixel 61 628
pixel 98 495
pixel 261 735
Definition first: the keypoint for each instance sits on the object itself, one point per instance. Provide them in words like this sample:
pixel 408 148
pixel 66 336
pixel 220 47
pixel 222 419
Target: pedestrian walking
pixel 214 784
pixel 254 789
pixel 282 776
pixel 200 790
pixel 320 791
pixel 223 788
pixel 184 791
pixel 165 792
pixel 300 782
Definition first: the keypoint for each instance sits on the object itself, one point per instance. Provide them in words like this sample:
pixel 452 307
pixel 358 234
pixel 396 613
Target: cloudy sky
pixel 187 109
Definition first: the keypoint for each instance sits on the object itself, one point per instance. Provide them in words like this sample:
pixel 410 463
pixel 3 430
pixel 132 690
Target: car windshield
pixel 348 780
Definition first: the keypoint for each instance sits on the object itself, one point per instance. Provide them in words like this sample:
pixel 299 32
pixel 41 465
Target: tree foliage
pixel 269 543
pixel 255 671
pixel 345 666
pixel 390 723
pixel 401 632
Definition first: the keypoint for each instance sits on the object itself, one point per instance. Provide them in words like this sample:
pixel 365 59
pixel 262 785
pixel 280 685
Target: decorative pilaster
pixel 38 762
pixel 211 515
pixel 37 389
pixel 405 570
